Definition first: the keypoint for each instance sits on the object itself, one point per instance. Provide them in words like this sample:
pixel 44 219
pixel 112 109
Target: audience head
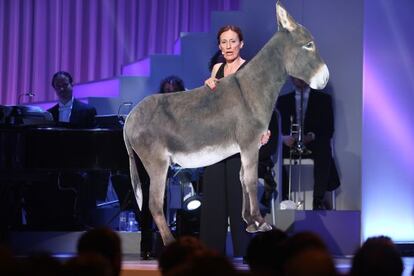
pixel 103 241
pixel 88 264
pixel 179 252
pixel 304 240
pixel 41 264
pixel 230 41
pixel 62 83
pixel 8 264
pixel 310 262
pixel 307 254
pixel 205 263
pixel 265 252
pixel 377 256
pixel 171 84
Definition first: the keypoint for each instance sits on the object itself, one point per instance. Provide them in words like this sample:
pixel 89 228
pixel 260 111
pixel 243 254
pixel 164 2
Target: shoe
pixel 318 205
pixel 146 256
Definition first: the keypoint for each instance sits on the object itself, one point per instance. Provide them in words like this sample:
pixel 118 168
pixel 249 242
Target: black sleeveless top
pixel 220 71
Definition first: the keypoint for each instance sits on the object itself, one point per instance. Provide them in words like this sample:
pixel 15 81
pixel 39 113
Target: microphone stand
pixel 121 118
pixel 29 94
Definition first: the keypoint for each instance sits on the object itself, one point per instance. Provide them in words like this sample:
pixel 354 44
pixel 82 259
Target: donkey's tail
pixel 135 181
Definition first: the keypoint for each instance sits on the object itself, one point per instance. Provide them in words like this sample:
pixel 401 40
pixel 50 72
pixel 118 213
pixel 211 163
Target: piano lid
pixel 24 115
pixel 112 121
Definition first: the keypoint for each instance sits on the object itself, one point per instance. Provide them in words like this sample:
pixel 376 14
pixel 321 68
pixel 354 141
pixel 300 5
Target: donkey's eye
pixel 309 46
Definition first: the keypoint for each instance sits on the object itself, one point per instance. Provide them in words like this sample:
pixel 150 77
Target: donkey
pixel 198 128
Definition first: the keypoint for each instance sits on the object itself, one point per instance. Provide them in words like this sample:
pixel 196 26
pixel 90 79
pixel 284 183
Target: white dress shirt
pixel 306 92
pixel 65 111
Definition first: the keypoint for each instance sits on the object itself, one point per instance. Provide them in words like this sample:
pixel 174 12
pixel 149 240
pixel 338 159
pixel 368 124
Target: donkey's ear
pixel 284 20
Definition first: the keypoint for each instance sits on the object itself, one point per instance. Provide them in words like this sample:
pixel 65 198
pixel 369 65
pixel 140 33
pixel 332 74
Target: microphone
pixel 29 94
pixel 126 104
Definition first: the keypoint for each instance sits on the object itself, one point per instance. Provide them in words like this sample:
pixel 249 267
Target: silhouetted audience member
pixel 302 241
pixel 310 262
pixel 307 249
pixel 205 263
pixel 40 264
pixel 8 264
pixel 265 252
pixel 178 252
pixel 105 242
pixel 377 256
pixel 88 264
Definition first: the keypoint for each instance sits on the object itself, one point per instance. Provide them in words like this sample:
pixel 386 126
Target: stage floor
pixel 133 266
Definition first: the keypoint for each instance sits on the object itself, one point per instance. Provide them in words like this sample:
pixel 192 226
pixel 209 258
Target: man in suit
pixel 70 111
pixel 318 129
pixel 65 199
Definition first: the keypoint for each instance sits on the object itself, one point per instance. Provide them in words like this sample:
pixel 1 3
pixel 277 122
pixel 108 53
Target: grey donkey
pixel 198 128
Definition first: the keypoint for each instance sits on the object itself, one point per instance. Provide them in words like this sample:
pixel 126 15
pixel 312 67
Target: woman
pixel 222 193
pixel 230 41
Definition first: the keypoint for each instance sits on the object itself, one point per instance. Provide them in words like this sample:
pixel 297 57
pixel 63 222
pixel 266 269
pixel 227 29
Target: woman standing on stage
pixel 222 193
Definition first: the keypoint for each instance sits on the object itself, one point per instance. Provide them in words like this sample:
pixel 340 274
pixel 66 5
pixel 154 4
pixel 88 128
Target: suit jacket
pixel 270 149
pixel 82 115
pixel 317 119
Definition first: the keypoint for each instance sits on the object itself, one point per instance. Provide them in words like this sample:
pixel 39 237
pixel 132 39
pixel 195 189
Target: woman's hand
pixel 265 138
pixel 211 83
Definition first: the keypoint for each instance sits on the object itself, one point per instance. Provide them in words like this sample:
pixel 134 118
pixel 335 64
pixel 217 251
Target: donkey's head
pixel 300 55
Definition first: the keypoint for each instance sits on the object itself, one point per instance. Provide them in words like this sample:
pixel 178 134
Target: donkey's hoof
pixel 264 227
pixel 252 228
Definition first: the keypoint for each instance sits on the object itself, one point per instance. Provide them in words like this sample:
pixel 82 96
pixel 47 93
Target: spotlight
pixel 188 216
pixel 190 199
pixel 191 203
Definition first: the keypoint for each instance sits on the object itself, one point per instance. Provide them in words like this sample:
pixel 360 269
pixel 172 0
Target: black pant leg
pixel 213 220
pixel 234 196
pixel 145 219
pixel 123 187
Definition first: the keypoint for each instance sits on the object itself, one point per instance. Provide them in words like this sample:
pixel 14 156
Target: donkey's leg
pixel 249 159
pixel 246 204
pixel 157 170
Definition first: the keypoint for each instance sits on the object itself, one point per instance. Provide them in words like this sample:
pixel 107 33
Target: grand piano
pixel 33 148
pixel 28 149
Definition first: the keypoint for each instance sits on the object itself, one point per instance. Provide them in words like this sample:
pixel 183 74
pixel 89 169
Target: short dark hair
pixel 229 27
pixel 377 256
pixel 177 82
pixel 64 73
pixel 105 242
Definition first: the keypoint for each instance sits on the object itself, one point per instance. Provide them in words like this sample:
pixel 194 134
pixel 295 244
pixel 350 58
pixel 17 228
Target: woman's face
pixel 230 45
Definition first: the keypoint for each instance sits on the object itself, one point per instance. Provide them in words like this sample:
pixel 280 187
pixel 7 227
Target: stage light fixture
pixel 192 203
